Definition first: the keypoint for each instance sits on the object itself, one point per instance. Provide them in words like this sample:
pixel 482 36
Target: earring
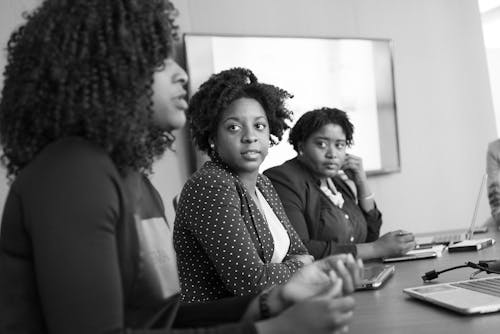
pixel 300 152
pixel 212 146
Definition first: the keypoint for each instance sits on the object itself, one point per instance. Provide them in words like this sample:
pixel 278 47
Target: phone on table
pixel 375 275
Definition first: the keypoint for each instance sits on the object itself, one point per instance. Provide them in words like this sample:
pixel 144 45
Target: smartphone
pixel 374 276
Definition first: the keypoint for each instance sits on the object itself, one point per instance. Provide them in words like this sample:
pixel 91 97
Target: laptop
pixel 474 296
pixel 374 276
pixel 451 238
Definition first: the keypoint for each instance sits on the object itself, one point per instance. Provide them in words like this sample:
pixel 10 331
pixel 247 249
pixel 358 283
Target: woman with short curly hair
pixel 326 193
pixel 231 234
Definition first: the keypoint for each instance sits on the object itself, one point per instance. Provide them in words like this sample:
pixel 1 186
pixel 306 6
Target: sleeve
pixel 225 310
pixel 373 223
pixel 493 171
pixel 210 210
pixel 293 198
pixel 72 213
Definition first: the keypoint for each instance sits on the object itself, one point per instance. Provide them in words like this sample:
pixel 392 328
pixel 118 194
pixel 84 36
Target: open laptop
pixel 480 295
pixel 451 238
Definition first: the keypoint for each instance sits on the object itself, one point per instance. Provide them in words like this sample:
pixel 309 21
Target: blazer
pixel 223 243
pixel 324 228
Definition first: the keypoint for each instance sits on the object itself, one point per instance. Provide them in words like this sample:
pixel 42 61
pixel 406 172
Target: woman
pixel 329 216
pixel 231 234
pixel 89 99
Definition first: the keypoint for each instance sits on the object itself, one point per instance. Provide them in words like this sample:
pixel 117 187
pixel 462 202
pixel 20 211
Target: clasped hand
pixel 317 297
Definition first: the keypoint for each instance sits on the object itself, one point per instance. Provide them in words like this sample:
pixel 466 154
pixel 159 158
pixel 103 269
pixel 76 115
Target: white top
pixel 328 188
pixel 278 231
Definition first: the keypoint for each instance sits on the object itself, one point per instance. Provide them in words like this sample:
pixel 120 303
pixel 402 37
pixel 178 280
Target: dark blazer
pixel 223 243
pixel 323 227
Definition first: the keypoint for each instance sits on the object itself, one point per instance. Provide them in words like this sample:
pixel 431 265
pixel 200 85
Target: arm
pixel 219 227
pixel 354 170
pixel 71 212
pixel 493 171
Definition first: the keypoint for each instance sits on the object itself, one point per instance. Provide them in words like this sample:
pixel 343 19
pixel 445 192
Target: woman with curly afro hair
pixel 91 94
pixel 231 234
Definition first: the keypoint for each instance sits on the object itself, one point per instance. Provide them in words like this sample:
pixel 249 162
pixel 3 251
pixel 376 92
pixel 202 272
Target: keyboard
pixel 489 286
pixel 445 239
pixel 450 238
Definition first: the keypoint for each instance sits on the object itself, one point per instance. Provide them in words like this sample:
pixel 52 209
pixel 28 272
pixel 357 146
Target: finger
pixel 361 271
pixel 411 245
pixel 353 268
pixel 406 238
pixel 330 262
pixel 346 277
pixel 333 290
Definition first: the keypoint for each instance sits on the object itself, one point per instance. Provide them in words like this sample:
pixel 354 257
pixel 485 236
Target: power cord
pixel 490 267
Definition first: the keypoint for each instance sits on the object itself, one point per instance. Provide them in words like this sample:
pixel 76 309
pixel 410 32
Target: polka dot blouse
pixel 224 246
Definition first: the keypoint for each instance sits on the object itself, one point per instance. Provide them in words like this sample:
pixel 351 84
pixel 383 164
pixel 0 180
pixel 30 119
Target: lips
pixel 180 101
pixel 331 165
pixel 250 154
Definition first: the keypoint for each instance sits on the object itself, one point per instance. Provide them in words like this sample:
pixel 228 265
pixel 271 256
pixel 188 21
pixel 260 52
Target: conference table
pixel 389 310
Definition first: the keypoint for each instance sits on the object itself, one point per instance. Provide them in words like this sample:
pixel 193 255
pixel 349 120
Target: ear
pixel 300 148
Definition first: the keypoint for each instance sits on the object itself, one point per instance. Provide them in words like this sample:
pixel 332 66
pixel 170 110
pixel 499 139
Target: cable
pixel 490 267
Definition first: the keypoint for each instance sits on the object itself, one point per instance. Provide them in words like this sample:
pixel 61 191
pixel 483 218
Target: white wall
pixel 445 113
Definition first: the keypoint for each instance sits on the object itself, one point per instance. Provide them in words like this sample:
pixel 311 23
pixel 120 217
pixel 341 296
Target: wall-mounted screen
pixel 355 75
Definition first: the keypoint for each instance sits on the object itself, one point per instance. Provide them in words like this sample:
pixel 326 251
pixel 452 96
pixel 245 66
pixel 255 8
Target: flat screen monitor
pixel 352 74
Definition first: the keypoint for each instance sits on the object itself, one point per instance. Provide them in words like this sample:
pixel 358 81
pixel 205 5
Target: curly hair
pixel 220 90
pixel 314 120
pixel 85 68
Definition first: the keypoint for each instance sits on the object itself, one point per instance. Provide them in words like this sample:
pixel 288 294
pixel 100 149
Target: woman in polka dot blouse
pixel 231 234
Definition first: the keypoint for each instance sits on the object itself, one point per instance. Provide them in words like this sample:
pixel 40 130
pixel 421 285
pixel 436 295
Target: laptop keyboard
pixel 449 238
pixel 489 286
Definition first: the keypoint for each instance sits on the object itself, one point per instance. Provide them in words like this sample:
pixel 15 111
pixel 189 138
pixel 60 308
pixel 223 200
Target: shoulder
pixel 68 162
pixel 494 147
pixel 211 174
pixel 291 172
pixel 211 181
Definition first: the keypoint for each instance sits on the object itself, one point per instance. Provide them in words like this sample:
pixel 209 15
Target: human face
pixel 242 138
pixel 169 96
pixel 324 151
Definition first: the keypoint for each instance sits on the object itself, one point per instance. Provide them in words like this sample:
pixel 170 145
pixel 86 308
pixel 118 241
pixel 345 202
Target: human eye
pixel 261 126
pixel 340 145
pixel 321 144
pixel 233 127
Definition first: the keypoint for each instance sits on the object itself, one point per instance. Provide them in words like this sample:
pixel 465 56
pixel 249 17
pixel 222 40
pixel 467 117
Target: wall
pixel 445 113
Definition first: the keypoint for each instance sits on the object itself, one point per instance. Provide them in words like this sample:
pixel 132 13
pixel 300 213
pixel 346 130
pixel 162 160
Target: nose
pixel 180 75
pixel 331 152
pixel 249 136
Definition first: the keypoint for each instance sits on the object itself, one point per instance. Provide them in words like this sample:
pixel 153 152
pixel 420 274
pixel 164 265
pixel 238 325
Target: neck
pixel 249 180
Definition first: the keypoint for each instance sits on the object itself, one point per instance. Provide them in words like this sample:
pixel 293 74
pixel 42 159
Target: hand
pixel 304 258
pixel 315 278
pixel 324 313
pixel 353 168
pixel 394 243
